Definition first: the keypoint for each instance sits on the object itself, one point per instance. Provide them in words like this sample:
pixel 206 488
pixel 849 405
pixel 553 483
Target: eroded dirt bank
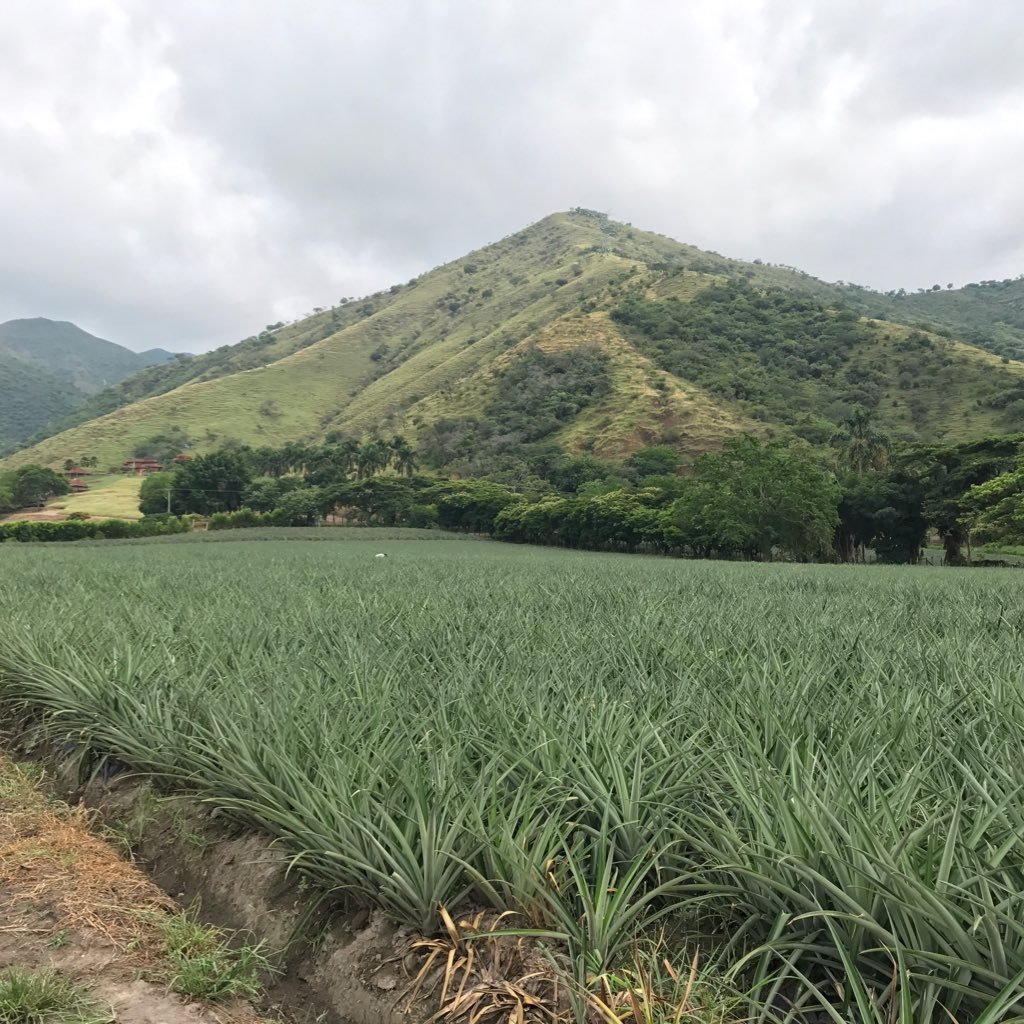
pixel 70 899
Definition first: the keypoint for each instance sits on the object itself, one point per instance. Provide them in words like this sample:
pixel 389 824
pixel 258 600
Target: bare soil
pixel 70 902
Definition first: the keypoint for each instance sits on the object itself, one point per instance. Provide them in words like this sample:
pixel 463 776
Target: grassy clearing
pixel 812 770
pixel 109 497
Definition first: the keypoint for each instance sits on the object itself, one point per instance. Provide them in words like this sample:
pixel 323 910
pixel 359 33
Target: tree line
pixel 754 499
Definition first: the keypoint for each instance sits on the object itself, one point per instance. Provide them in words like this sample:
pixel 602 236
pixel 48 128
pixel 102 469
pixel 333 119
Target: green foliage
pixel 861 446
pixel 106 529
pixel 471 505
pixel 45 997
pixel 883 511
pixel 541 390
pixel 387 501
pixel 163 447
pixel 659 460
pixel 264 492
pixel 30 486
pixel 30 398
pixel 773 350
pixel 616 521
pixel 154 491
pixel 47 370
pixel 537 395
pixel 211 483
pixel 244 518
pixel 754 498
pixel 989 314
pixel 301 507
pixel 994 509
pixel 923 487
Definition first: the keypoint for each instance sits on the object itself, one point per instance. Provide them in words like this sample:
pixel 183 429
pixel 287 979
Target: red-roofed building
pixel 140 467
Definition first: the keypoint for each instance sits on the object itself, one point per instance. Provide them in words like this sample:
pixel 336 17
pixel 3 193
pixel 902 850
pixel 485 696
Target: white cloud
pixel 181 174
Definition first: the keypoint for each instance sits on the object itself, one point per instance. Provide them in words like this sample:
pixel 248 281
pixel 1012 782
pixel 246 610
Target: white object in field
pixel 380 554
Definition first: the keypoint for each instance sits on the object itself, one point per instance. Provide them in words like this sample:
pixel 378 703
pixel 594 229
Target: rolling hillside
pixel 49 367
pixel 577 331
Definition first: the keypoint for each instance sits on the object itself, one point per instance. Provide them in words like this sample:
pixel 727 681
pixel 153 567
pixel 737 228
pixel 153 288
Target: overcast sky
pixel 182 173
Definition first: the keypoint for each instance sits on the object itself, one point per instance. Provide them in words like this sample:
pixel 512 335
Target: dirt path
pixel 70 902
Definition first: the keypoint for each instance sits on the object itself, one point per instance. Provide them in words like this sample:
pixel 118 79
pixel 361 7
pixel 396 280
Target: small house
pixel 140 467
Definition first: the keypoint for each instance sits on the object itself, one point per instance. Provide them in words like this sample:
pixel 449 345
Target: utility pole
pixel 168 500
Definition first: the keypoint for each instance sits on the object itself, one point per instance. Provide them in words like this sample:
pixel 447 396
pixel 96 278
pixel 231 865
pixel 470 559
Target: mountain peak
pixel 582 334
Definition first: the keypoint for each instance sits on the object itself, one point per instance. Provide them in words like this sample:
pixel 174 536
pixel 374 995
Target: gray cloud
pixel 182 174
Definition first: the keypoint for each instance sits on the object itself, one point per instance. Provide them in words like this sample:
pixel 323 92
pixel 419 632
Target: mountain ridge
pixel 49 367
pixel 427 351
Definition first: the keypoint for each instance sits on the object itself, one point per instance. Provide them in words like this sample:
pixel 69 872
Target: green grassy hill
pixel 580 331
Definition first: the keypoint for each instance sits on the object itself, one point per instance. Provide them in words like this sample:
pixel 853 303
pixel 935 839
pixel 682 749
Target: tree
pixel 947 473
pixel 995 509
pixel 33 485
pixel 862 447
pixel 213 483
pixel 385 501
pixel 402 455
pixel 883 511
pixel 265 492
pixel 753 498
pixel 6 492
pixel 372 457
pixel 154 492
pixel 469 504
pixel 301 507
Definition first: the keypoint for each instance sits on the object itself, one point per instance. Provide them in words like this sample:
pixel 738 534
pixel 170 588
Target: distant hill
pixel 585 335
pixel 49 367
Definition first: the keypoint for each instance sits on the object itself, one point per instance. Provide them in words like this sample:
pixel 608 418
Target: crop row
pixel 817 770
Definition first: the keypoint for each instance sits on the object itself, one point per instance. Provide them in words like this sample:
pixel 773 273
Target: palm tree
pixel 402 455
pixel 372 457
pixel 348 453
pixel 863 447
